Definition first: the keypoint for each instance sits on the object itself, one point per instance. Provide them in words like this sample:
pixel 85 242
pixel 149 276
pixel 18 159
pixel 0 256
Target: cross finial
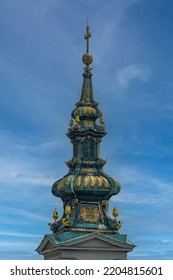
pixel 87 36
pixel 87 57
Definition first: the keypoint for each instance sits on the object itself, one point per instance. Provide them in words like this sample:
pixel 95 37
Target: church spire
pixel 86 188
pixel 87 97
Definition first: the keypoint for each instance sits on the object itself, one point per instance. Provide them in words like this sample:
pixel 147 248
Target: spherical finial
pixel 87 59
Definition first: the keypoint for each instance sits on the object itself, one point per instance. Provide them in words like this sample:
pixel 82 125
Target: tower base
pixel 85 246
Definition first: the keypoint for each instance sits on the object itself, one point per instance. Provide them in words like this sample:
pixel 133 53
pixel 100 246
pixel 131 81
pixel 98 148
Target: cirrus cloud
pixel 131 72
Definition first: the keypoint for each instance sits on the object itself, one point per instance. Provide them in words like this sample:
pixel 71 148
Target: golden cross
pixel 87 36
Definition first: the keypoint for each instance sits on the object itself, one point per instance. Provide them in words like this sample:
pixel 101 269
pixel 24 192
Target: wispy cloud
pixel 129 73
pixel 18 163
pixel 18 244
pixel 24 214
pixel 19 234
pixel 141 188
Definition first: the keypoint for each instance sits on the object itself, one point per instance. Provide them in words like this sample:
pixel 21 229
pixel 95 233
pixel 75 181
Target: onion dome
pixel 83 186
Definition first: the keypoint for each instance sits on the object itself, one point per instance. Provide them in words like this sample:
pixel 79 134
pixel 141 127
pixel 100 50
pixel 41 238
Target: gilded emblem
pixel 89 213
pixel 88 123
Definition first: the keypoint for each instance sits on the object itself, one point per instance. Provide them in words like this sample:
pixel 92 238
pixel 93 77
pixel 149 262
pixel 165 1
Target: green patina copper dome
pixel 87 112
pixel 86 185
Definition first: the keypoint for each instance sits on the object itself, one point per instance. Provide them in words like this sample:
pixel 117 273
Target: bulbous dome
pixel 86 185
pixel 87 112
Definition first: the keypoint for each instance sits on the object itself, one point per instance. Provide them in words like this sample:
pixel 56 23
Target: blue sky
pixel 41 45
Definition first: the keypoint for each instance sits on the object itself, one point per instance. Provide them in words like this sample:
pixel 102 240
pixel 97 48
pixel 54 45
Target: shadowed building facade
pixel 86 231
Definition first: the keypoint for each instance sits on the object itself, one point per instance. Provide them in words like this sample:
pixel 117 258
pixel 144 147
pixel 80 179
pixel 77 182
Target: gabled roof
pixel 86 241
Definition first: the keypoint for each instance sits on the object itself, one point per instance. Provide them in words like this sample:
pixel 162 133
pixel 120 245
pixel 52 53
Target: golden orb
pixel 87 58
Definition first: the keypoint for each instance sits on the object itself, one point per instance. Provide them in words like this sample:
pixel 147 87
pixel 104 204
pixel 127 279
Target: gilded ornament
pixel 55 215
pixel 70 122
pixel 68 179
pixel 105 182
pixel 89 110
pixel 115 212
pixel 90 214
pixel 96 213
pixel 78 181
pixel 87 58
pixel 99 181
pixel 67 210
pixel 102 121
pixel 88 123
pixel 65 222
pixel 85 110
pixel 92 181
pixel 93 111
pixel 89 170
pixel 85 181
pixel 77 119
